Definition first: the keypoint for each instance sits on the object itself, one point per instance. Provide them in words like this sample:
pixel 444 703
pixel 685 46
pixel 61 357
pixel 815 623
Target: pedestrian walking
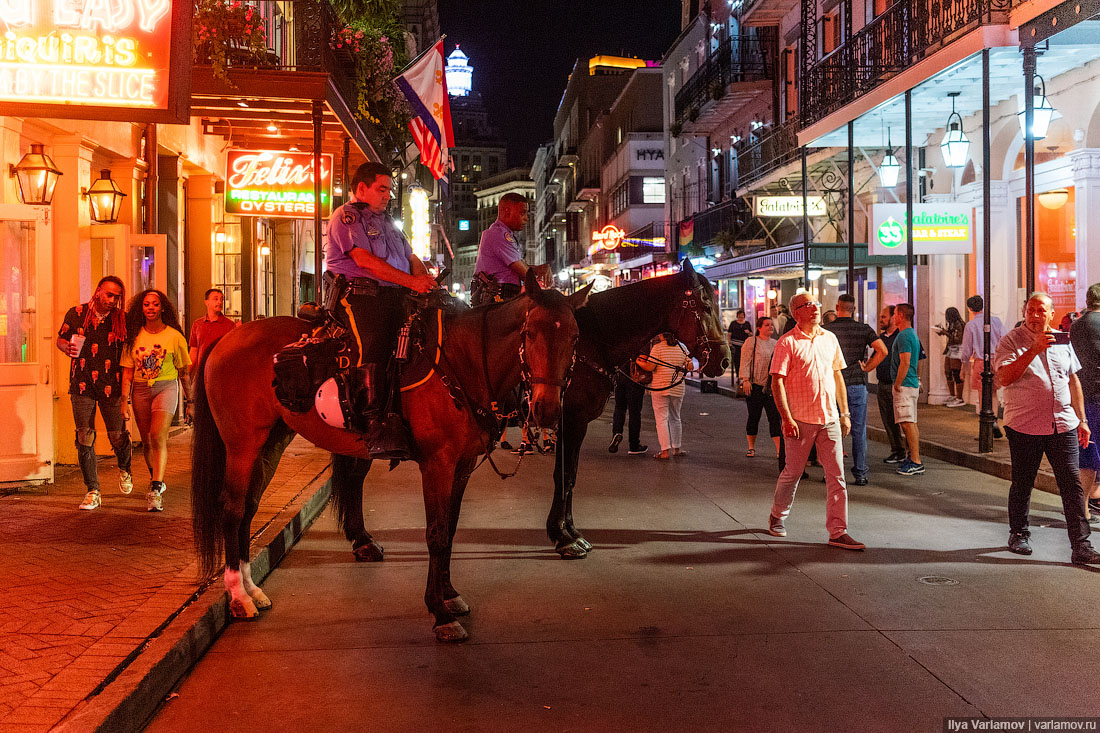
pixel 154 367
pixel 809 388
pixel 855 339
pixel 669 362
pixel 779 319
pixel 953 329
pixel 1044 415
pixel 756 360
pixel 1085 337
pixel 904 356
pixel 206 331
pixel 885 393
pixel 629 395
pixel 740 331
pixel 92 335
pixel 973 349
pixel 828 317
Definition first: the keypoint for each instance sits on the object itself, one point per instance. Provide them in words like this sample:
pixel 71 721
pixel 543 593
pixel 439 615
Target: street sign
pixel 276 184
pixel 940 228
pixel 779 206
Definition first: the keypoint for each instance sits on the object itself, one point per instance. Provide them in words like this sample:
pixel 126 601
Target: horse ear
pixel 687 266
pixel 531 282
pixel 580 298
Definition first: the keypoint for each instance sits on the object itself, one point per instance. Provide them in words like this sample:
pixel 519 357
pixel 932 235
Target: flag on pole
pixel 424 84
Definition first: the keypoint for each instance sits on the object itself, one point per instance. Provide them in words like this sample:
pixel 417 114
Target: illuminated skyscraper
pixel 460 75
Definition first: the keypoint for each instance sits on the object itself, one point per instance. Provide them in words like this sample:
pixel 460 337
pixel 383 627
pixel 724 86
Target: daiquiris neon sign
pixel 98 53
pixel 263 183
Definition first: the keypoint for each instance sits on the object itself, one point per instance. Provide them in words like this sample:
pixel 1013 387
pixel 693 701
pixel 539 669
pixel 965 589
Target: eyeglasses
pixel 811 303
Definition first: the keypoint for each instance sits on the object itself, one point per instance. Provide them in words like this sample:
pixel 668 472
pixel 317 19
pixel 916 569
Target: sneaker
pixel 155 503
pixel 638 450
pixel 894 458
pixel 1091 557
pixel 505 445
pixel 1094 518
pixel 954 402
pixel 125 481
pixel 845 542
pixel 1094 506
pixel 909 468
pixel 1019 544
pixel 523 449
pixel 615 440
pixel 775 527
pixel 91 501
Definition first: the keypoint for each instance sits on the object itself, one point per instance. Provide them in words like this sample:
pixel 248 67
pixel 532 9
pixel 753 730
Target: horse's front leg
pixel 568 541
pixel 348 475
pixel 437 475
pixel 451 598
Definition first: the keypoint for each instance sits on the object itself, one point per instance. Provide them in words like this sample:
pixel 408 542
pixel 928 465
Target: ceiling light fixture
pixel 955 144
pixel 1042 112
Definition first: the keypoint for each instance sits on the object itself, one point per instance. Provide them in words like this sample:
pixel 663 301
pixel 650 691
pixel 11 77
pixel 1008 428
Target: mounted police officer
pixel 500 268
pixel 367 248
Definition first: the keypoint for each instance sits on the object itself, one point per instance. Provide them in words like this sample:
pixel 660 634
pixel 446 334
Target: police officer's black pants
pixel 374 321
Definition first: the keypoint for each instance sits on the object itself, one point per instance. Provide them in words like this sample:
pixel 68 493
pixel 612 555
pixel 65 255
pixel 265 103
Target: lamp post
pixel 986 418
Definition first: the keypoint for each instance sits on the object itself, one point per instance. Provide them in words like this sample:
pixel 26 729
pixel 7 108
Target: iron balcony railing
pixel 909 30
pixel 776 149
pixel 737 59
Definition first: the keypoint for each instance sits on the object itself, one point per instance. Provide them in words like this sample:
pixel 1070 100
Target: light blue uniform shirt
pixel 498 250
pixel 351 226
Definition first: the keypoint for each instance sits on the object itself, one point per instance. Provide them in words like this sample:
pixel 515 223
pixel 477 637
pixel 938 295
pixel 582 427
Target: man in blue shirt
pixel 500 268
pixel 904 356
pixel 366 247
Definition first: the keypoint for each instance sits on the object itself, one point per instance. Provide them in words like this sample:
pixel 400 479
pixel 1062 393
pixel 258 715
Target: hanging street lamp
pixel 889 169
pixel 1042 111
pixel 36 175
pixel 104 199
pixel 955 144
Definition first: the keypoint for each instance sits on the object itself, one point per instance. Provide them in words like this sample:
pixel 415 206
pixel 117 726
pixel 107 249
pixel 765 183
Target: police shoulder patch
pixel 349 215
pixel 510 237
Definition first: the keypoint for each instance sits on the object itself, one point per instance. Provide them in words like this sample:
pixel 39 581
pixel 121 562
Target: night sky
pixel 523 50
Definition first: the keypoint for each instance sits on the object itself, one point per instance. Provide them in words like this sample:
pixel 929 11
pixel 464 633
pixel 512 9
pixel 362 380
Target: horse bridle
pixel 527 376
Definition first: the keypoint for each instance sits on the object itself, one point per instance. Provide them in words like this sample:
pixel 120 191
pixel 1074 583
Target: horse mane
pixel 616 316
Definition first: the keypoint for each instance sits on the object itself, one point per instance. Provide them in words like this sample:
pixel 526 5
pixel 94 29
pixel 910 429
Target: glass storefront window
pixel 1055 249
pixel 227 266
pixel 18 319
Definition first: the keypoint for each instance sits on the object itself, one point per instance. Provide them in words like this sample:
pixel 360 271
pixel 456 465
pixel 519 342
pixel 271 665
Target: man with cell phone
pixel 1044 415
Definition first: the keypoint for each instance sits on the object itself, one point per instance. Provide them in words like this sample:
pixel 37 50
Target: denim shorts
pixel 163 396
pixel 1090 454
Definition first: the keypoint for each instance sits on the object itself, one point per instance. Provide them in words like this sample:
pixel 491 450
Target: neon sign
pixel 609 238
pixel 85 58
pixel 941 228
pixel 276 184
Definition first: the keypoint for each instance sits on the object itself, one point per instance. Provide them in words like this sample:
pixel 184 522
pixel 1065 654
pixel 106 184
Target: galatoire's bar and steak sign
pixel 267 183
pixel 126 60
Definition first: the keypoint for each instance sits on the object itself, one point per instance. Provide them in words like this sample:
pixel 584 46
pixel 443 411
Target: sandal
pixel 751 453
pixel 680 454
pixel 659 457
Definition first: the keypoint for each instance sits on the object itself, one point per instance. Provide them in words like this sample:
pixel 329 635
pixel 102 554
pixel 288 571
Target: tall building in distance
pixel 479 153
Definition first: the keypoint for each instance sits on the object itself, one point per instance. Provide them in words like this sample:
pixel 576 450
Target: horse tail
pixel 347 486
pixel 207 479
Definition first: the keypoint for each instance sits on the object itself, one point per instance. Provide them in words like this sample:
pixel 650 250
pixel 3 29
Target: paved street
pixel 686 616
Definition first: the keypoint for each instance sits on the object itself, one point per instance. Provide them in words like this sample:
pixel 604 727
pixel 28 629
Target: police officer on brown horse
pixel 500 268
pixel 367 248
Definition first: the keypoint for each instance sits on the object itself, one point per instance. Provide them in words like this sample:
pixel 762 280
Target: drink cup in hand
pixel 76 345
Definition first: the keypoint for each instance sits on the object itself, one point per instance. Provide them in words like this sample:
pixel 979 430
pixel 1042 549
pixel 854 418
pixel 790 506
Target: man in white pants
pixel 809 387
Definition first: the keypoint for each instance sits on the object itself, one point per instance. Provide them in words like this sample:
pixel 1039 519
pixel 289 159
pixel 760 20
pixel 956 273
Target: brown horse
pixel 241 429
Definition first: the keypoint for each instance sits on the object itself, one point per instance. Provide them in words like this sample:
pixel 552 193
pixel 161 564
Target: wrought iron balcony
pixel 909 31
pixel 730 77
pixel 776 149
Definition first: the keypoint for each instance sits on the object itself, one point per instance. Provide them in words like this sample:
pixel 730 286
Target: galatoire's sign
pixel 938 229
pixel 125 60
pixel 780 206
pixel 262 183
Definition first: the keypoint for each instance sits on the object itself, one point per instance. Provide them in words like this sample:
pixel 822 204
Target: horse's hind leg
pixel 243 470
pixel 438 481
pixel 270 456
pixel 348 475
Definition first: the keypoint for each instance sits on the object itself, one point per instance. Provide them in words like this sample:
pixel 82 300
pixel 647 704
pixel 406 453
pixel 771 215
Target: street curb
pixel 983 464
pixel 129 701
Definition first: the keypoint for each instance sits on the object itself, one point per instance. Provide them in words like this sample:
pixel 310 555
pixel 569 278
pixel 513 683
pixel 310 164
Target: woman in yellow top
pixel 154 364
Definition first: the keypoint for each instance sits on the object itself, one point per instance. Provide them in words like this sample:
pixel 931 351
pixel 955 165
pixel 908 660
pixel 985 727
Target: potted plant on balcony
pixel 227 33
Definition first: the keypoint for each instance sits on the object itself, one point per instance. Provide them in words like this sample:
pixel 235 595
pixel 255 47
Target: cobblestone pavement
pixel 81 591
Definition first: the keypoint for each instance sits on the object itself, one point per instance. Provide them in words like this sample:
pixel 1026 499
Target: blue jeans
pixel 857 405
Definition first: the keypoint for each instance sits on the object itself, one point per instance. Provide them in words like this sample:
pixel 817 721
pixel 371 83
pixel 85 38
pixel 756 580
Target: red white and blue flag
pixel 424 84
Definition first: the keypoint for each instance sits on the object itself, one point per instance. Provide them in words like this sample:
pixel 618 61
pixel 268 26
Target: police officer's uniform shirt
pixel 351 226
pixel 498 250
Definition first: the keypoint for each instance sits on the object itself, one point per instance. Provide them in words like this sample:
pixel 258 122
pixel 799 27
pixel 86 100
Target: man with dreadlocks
pixel 93 335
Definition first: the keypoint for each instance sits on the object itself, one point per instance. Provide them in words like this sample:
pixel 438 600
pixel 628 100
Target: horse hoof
pixel 243 608
pixel 456 606
pixel 585 544
pixel 369 552
pixel 572 551
pixel 260 599
pixel 451 633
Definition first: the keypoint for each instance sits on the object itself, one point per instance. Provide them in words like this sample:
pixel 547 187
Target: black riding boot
pixel 385 430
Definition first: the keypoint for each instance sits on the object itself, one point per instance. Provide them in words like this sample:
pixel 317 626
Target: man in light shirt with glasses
pixel 808 385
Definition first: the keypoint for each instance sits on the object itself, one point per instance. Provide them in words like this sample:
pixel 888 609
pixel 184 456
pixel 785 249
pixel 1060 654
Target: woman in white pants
pixel 666 402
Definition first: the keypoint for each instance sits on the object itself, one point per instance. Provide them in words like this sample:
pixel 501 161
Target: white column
pixel 10 153
pixel 1086 182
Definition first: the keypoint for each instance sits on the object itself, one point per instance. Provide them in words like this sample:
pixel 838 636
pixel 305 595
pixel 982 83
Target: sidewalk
pixel 947 433
pixel 101 610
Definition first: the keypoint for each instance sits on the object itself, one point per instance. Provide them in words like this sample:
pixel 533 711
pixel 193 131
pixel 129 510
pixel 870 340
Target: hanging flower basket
pixel 228 33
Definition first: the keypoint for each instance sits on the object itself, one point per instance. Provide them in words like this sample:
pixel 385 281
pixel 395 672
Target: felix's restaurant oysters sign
pixel 263 183
pixel 98 59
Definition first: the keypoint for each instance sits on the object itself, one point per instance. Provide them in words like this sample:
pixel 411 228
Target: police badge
pixel 373 232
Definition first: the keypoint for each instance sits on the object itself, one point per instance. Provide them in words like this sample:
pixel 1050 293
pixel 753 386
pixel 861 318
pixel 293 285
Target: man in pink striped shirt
pixel 808 388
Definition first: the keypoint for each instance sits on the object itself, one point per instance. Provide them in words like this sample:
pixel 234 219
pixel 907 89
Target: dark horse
pixel 616 326
pixel 241 429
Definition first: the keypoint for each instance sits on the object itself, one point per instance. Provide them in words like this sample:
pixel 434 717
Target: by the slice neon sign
pixel 609 238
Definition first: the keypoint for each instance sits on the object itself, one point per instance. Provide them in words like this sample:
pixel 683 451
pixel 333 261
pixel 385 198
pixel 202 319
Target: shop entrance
pixel 26 345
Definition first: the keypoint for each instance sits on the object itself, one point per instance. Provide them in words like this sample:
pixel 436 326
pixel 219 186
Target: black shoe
pixel 638 450
pixel 997 432
pixel 505 445
pixel 1091 557
pixel 1094 506
pixel 1019 544
pixel 524 449
pixel 615 440
pixel 894 458
pixel 805 475
pixel 859 482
